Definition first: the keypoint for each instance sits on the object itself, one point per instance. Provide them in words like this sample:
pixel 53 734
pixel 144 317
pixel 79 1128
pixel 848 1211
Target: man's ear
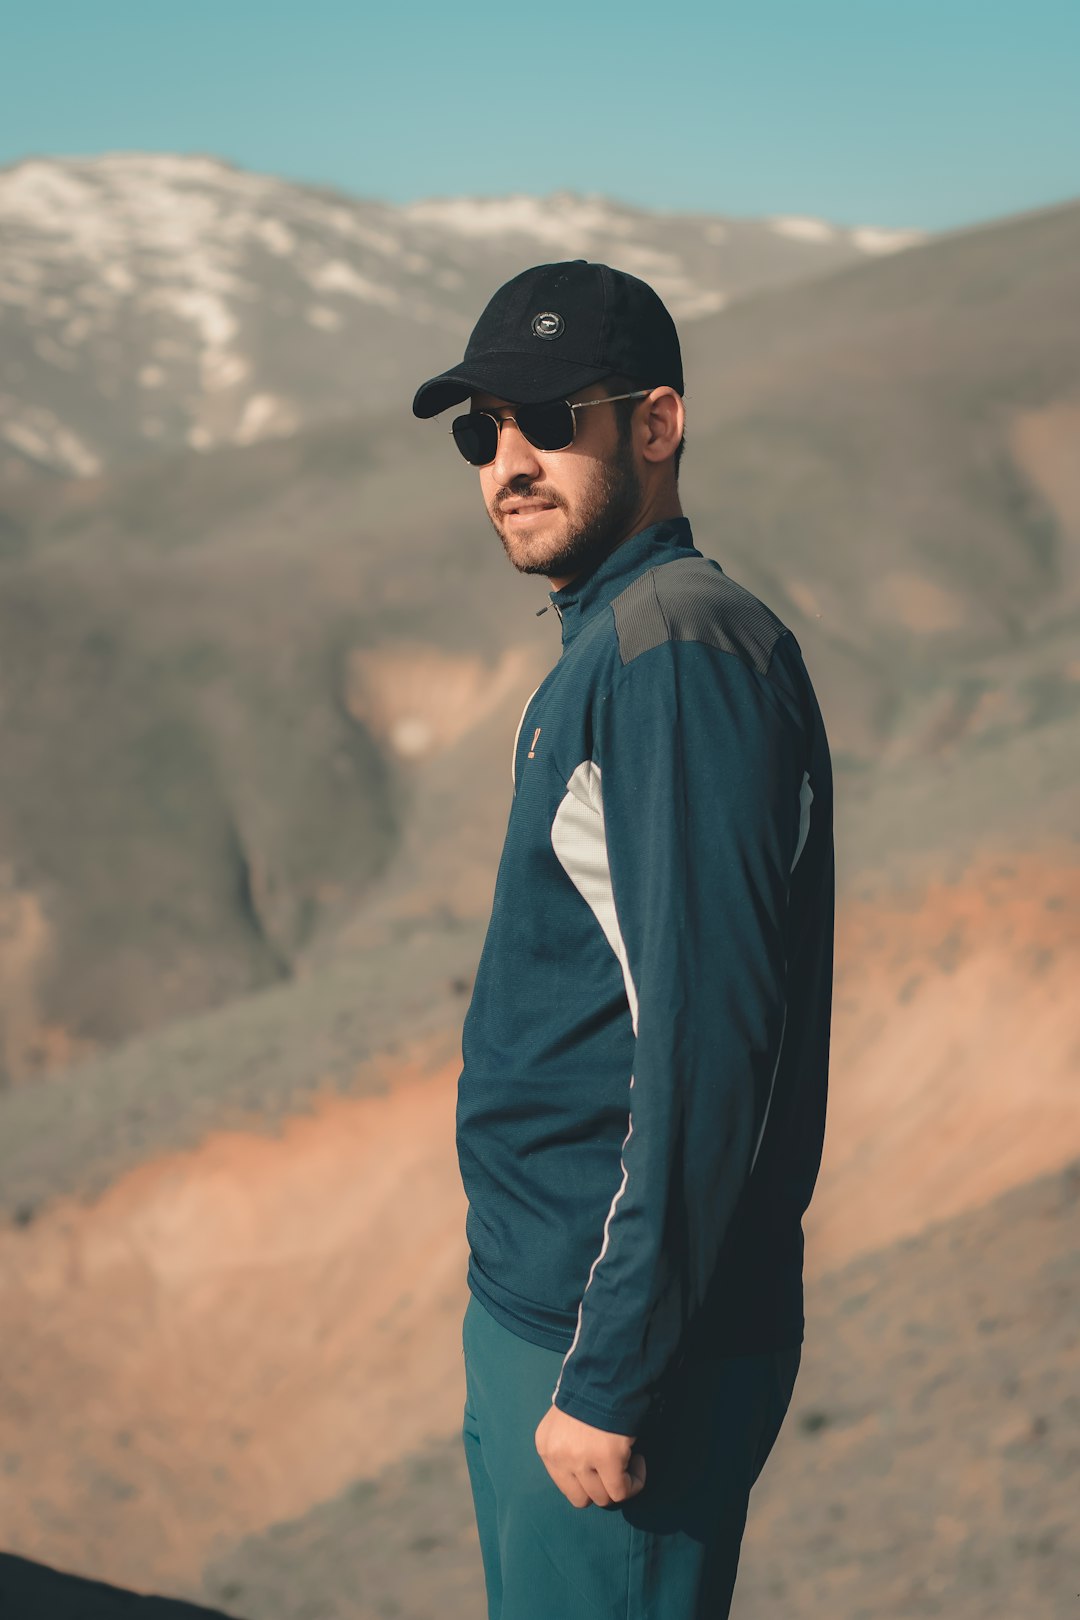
pixel 663 416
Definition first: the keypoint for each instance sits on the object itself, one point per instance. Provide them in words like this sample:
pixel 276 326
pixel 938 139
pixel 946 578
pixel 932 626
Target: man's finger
pixel 596 1485
pixel 620 1484
pixel 570 1486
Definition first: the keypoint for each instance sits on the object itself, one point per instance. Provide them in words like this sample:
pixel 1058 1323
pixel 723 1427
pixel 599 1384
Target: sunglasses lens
pixel 477 437
pixel 549 426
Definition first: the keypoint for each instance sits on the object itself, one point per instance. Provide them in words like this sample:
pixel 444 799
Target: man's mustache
pixel 510 497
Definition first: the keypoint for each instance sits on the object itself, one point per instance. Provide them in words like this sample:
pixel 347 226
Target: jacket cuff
pixel 616 1420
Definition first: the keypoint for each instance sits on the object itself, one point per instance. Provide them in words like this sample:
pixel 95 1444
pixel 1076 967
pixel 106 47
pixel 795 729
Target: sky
pixel 928 113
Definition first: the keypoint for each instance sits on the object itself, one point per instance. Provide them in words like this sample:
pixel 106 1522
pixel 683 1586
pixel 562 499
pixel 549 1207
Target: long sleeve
pixel 698 776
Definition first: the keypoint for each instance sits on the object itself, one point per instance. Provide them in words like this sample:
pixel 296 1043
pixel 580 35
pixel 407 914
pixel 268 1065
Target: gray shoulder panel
pixel 692 599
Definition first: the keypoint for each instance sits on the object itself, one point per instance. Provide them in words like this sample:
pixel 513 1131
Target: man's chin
pixel 535 546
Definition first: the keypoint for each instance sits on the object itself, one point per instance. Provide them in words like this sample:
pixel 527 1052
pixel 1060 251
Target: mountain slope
pixel 280 682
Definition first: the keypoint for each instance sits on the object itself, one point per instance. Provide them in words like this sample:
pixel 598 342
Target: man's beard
pixel 604 521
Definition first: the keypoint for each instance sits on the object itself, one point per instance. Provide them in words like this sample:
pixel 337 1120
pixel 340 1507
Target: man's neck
pixel 658 511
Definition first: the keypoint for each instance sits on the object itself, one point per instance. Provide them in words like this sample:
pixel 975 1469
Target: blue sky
pixel 936 114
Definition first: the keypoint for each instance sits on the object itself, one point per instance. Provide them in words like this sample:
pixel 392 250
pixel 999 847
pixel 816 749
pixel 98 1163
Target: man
pixel 641 1109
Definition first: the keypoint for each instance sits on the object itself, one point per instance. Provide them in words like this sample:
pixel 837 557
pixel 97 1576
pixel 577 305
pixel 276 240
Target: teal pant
pixel 670 1552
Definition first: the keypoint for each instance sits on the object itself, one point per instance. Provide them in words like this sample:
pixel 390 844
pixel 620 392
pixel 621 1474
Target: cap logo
pixel 548 325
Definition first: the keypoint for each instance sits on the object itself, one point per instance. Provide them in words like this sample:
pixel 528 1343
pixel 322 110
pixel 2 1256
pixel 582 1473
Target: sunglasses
pixel 550 426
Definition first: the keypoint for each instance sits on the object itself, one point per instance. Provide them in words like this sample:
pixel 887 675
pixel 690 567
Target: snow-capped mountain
pixel 157 301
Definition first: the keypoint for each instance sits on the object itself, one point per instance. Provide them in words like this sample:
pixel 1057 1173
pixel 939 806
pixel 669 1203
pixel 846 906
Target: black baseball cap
pixel 556 328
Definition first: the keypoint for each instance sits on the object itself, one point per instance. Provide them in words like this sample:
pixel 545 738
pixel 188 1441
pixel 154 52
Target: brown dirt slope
pixel 925 1468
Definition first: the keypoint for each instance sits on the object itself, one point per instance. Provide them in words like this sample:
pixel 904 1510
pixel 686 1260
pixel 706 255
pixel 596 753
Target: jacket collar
pixel 590 592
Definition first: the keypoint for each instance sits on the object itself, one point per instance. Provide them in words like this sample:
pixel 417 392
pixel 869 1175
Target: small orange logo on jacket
pixel 532 750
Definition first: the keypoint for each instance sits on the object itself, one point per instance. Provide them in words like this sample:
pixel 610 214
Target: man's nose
pixel 515 457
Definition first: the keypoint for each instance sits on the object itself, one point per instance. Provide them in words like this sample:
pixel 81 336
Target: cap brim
pixel 522 379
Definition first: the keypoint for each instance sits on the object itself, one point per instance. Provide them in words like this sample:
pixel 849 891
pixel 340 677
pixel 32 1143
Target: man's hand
pixel 587 1464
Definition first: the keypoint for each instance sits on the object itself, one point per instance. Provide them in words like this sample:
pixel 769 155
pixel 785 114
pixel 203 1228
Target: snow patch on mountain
pixel 338 276
pixel 562 220
pixel 39 434
pixel 802 228
pixel 871 239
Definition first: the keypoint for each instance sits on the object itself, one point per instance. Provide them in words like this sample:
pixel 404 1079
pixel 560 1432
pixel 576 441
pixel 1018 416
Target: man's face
pixel 559 511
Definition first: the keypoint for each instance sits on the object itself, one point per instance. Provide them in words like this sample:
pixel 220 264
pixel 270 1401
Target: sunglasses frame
pixel 508 416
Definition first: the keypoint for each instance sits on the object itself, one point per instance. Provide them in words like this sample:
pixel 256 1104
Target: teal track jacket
pixel 641 1108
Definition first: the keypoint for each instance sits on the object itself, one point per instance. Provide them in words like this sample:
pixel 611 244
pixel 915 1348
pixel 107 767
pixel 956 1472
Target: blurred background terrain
pixel 261 660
